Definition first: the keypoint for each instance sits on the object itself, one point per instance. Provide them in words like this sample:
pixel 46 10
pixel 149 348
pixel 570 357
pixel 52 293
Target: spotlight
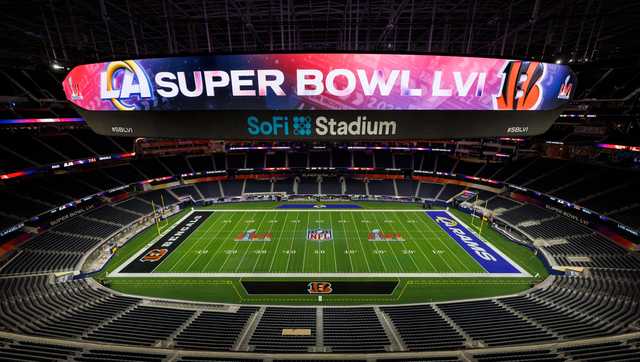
pixel 558 61
pixel 56 66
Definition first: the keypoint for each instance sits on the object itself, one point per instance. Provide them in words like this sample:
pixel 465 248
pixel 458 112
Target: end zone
pixel 149 257
pixel 489 257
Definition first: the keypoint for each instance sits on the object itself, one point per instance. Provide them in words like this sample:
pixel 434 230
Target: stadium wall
pixel 592 220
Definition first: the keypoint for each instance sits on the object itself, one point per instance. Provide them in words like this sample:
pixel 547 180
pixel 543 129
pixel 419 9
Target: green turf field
pixel 429 265
pixel 212 248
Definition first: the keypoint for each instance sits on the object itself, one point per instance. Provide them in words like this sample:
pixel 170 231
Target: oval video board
pixel 337 95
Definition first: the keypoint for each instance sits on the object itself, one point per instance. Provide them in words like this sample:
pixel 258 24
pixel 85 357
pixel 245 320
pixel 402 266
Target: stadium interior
pixel 82 213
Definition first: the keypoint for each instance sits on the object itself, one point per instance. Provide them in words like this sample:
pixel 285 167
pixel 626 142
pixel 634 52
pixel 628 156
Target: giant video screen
pixel 332 94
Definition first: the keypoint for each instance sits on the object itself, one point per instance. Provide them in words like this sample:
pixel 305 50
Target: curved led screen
pixel 319 82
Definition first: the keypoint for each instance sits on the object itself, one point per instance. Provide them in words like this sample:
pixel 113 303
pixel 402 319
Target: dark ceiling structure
pixel 79 31
pixel 43 39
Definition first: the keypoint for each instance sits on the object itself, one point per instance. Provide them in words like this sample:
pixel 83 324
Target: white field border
pixel 118 274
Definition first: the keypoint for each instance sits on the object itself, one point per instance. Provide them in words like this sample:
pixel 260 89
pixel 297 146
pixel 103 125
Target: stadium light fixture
pixel 56 66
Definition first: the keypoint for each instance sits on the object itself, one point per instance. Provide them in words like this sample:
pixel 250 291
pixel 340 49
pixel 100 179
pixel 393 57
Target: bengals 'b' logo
pixel 319 288
pixel 520 86
pixel 154 255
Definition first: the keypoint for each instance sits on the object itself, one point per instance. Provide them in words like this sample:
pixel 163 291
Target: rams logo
pixel 134 82
pixel 319 288
pixel 154 255
pixel 445 220
pixel 520 88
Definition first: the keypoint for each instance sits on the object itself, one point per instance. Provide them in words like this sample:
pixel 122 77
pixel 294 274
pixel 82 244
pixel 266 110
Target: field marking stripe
pixel 346 239
pixel 275 254
pixel 333 245
pixel 433 237
pixel 306 243
pixel 197 240
pixel 293 238
pixel 494 248
pixel 250 247
pixel 319 249
pixel 220 238
pixel 320 275
pixel 235 243
pixel 250 244
pixel 446 240
pixel 366 260
pixel 414 242
pixel 214 255
pixel 388 243
pixel 262 245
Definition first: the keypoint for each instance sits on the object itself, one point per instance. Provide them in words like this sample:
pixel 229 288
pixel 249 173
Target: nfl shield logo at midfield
pixel 319 234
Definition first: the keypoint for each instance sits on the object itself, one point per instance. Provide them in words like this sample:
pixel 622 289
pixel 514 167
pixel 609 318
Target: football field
pixel 319 243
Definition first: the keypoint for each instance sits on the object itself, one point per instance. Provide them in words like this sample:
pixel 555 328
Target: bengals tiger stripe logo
pixel 520 88
pixel 154 255
pixel 319 288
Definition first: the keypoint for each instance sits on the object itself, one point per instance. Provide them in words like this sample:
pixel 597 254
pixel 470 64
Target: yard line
pixel 264 243
pixel 222 242
pixel 203 237
pixel 392 250
pixel 284 225
pixel 250 244
pixel 415 242
pixel 446 244
pixel 304 255
pixel 391 246
pixel 235 244
pixel 318 242
pixel 198 239
pixel 333 244
pixel 362 247
pixel 293 239
pixel 346 238
pixel 205 234
pixel 424 234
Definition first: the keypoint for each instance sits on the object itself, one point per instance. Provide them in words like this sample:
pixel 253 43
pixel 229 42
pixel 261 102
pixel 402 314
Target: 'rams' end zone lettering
pixel 485 255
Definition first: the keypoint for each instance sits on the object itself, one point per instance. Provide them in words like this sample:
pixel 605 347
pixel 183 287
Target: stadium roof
pixel 79 31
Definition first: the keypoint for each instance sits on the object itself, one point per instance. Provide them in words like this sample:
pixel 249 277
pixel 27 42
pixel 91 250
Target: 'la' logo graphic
pixel 127 71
